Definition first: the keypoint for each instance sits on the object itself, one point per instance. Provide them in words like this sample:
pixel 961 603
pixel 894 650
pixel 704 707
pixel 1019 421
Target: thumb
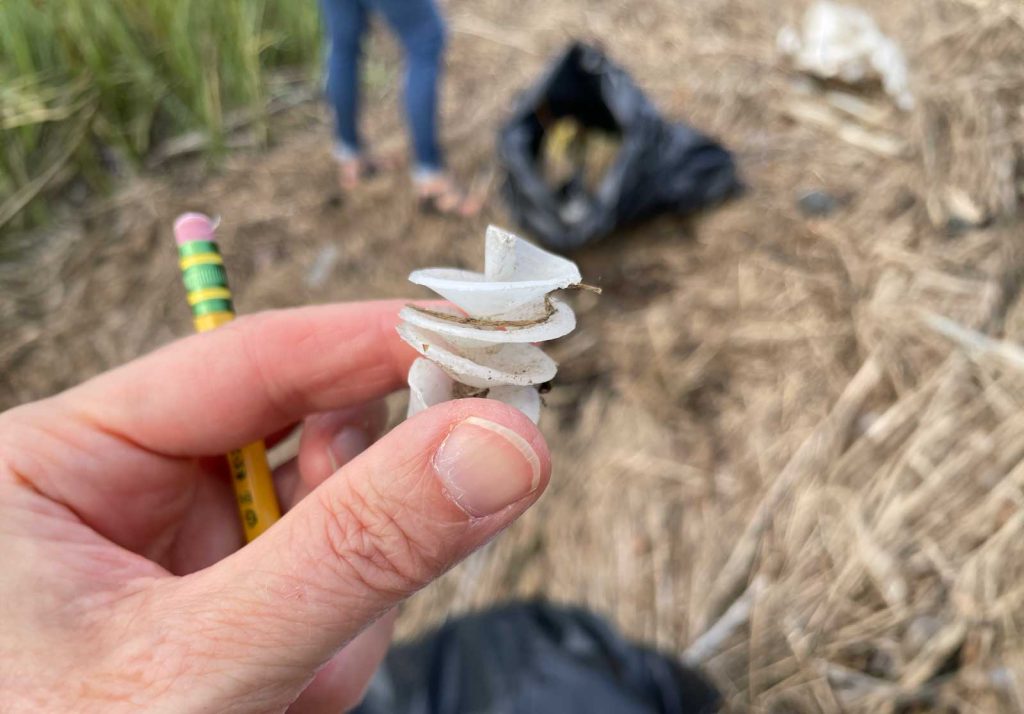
pixel 389 522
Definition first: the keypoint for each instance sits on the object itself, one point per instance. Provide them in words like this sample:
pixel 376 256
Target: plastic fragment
pixel 843 42
pixel 485 347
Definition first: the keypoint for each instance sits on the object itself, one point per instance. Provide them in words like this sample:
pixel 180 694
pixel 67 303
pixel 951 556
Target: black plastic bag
pixel 533 658
pixel 660 166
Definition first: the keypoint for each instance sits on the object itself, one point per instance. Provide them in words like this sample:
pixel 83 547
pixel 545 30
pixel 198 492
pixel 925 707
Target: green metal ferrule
pixel 208 306
pixel 204 276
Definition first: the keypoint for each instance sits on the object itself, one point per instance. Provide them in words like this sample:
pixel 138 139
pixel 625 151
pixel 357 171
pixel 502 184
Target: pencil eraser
pixel 194 226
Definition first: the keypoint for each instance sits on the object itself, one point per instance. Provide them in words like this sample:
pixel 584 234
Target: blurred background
pixel 787 436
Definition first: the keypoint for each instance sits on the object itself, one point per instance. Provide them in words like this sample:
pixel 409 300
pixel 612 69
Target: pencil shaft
pixel 254 488
pixel 206 282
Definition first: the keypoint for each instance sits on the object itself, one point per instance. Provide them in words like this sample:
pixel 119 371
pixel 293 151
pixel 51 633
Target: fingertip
pixel 489 456
pixel 458 410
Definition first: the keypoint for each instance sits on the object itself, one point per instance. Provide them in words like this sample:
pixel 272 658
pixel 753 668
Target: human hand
pixel 124 585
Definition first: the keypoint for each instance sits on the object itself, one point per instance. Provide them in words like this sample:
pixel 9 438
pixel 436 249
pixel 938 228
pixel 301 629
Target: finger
pixel 286 483
pixel 329 441
pixel 124 434
pixel 342 683
pixel 423 497
pixel 207 530
pixel 210 530
pixel 216 391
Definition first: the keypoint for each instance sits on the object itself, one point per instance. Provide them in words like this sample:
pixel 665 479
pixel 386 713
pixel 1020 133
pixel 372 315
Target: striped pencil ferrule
pixel 204 277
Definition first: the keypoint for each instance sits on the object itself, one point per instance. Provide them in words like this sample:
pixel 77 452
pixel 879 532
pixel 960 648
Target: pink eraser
pixel 194 226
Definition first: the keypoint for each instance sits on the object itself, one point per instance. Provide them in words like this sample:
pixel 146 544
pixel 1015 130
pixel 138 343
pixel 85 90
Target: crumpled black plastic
pixel 661 166
pixel 533 658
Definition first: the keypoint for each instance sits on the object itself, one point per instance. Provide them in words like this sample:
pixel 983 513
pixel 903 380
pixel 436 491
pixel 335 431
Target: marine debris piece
pixel 483 345
pixel 843 42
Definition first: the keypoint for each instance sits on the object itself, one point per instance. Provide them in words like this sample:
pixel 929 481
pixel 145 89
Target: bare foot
pixel 359 170
pixel 349 173
pixel 441 196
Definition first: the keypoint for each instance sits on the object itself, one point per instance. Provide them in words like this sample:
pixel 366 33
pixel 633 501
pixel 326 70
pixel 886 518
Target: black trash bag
pixel 533 658
pixel 660 166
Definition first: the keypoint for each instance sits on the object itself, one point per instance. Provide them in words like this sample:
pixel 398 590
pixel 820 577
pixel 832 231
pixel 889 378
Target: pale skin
pixel 124 585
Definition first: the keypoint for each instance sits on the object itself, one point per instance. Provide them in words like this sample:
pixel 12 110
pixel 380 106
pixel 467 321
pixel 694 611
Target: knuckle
pixel 368 542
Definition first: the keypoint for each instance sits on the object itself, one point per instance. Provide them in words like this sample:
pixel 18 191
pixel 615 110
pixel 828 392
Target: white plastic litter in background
pixel 843 42
pixel 493 352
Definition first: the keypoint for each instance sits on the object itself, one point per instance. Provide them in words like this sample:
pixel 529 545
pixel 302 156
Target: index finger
pixel 215 391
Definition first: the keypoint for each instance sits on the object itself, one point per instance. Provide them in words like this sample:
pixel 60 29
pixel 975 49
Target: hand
pixel 123 583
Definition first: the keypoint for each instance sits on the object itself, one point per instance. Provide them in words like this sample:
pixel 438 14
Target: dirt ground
pixel 738 423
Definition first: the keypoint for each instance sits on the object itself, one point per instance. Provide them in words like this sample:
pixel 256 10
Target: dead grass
pixel 787 449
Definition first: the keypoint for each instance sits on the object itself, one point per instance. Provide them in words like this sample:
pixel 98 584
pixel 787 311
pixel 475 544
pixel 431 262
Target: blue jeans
pixel 421 32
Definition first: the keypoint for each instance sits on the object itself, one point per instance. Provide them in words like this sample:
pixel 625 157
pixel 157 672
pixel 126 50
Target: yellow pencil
pixel 202 271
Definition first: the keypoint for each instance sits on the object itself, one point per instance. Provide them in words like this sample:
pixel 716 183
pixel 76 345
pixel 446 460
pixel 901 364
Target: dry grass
pixel 788 449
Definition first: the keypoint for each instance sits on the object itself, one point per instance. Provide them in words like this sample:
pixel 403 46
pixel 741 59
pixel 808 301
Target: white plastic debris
pixel 322 267
pixel 843 42
pixel 485 347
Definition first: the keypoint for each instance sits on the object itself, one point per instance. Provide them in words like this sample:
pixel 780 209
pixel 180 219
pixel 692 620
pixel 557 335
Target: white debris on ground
pixel 843 42
pixel 486 347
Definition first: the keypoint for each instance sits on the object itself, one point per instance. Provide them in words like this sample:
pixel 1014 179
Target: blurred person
pixel 421 32
pixel 125 586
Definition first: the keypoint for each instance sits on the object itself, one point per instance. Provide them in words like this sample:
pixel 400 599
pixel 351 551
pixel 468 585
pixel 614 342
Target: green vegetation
pixel 87 83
